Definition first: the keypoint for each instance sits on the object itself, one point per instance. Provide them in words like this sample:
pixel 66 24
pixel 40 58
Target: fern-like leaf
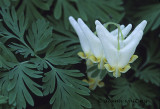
pixel 16 25
pixel 32 7
pixel 124 90
pixel 7 58
pixel 39 36
pixel 106 12
pixel 20 77
pixel 149 74
pixel 150 13
pixel 67 91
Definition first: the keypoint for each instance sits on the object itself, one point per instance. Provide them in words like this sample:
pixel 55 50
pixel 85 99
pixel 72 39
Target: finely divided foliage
pixel 110 10
pixel 19 76
pixel 38 55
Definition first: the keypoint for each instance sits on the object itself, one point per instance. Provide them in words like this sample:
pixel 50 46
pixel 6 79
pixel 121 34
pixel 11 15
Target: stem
pixel 119 31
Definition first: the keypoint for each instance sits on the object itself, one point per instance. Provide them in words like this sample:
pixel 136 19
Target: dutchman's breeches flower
pixel 119 50
pixel 92 50
pixel 111 50
pixel 90 43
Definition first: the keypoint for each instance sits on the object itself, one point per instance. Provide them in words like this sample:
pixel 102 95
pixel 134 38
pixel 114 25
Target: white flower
pixel 90 43
pixel 83 39
pixel 118 51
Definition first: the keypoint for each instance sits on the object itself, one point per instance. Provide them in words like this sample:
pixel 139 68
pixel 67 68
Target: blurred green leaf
pixel 149 74
pixel 152 45
pixel 125 91
pixel 3 99
pixel 150 13
pixel 149 69
pixel 32 8
pixel 105 10
pixel 7 58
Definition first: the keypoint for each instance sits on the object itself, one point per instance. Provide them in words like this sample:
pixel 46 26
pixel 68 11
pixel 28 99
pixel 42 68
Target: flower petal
pixel 126 52
pixel 141 26
pixel 83 40
pixel 107 35
pixel 133 58
pixel 93 59
pixel 110 51
pixel 101 84
pixel 93 40
pixel 82 55
pixel 109 68
pixel 125 69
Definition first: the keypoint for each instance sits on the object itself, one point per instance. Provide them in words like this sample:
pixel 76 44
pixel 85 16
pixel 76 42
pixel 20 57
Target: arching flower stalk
pixel 119 50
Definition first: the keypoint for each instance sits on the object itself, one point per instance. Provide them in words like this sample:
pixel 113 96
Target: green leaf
pixel 32 8
pixel 39 36
pixel 57 55
pixel 99 100
pixel 110 10
pixel 149 74
pixel 67 91
pixel 23 50
pixel 148 69
pixel 16 25
pixel 5 3
pixel 153 54
pixel 3 99
pixel 61 35
pixel 7 58
pixel 4 81
pixel 124 90
pixel 19 78
pixel 150 13
pixel 40 63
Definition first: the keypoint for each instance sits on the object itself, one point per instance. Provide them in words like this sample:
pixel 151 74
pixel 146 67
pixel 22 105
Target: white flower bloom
pixel 90 43
pixel 83 39
pixel 119 52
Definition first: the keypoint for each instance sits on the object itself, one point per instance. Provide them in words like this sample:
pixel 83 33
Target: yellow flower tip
pixel 93 59
pixel 105 60
pixel 82 55
pixel 85 80
pixel 89 62
pixel 116 74
pixel 101 84
pixel 101 67
pixel 133 58
pixel 125 69
pixel 109 68
pixel 98 59
pixel 91 80
pixel 92 86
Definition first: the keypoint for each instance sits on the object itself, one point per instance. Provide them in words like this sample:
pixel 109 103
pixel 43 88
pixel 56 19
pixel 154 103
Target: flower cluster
pixel 111 50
